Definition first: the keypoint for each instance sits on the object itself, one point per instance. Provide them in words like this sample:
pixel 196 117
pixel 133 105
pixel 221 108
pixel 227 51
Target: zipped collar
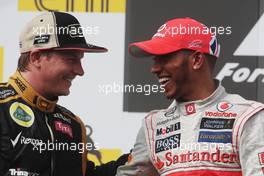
pixel 32 97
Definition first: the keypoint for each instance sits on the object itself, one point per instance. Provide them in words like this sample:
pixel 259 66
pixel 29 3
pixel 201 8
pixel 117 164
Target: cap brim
pixel 151 47
pixel 89 48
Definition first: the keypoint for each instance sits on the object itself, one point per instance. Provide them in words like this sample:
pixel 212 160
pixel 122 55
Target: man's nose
pixel 155 68
pixel 78 69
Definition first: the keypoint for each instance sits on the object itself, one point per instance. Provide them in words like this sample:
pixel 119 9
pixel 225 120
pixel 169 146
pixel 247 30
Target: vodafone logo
pixel 190 108
pixel 224 106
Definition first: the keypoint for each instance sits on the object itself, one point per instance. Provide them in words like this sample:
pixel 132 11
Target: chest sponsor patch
pixel 216 124
pixel 21 114
pixel 215 137
pixel 170 112
pixel 167 120
pixel 190 109
pixel 224 106
pixel 62 117
pixel 261 158
pixel 6 93
pixel 21 172
pixel 168 143
pixel 64 128
pixel 168 129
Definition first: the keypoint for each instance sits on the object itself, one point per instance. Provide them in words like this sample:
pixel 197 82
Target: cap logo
pixel 195 44
pixel 162 31
pixel 75 30
pixel 214 47
pixel 41 39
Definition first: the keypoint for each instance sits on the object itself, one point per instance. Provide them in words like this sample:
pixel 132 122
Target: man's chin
pixel 64 93
pixel 169 96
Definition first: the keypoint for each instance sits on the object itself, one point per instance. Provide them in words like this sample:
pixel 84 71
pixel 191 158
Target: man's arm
pixel 139 163
pixel 251 146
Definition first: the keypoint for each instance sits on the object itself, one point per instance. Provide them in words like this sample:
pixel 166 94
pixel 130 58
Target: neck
pixel 199 90
pixel 37 84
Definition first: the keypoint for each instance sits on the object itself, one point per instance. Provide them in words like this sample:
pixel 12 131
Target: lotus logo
pixel 224 106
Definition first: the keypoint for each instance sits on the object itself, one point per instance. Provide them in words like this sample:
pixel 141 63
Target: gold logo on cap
pixel 98 6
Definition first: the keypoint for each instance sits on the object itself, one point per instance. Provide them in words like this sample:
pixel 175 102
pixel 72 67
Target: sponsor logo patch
pixel 62 117
pixel 167 120
pixel 219 114
pixel 14 142
pixel 21 172
pixel 190 108
pixel 170 112
pixel 6 93
pixel 215 137
pixel 22 114
pixel 64 128
pixel 191 157
pixel 41 39
pixel 209 123
pixel 168 129
pixel 224 106
pixel 20 84
pixel 168 143
pixel 159 164
pixel 261 158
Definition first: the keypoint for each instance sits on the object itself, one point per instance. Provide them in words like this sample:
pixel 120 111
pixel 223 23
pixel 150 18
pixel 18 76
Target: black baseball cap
pixel 57 31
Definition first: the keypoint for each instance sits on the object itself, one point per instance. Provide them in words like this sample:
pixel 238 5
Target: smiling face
pixel 58 69
pixel 173 73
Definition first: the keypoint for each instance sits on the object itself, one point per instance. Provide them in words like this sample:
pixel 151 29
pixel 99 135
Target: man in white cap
pixel 37 136
pixel 205 131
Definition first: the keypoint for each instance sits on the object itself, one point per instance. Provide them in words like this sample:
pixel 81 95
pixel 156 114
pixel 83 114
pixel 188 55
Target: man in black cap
pixel 37 136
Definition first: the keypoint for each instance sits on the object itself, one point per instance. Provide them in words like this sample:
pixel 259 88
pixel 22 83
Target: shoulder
pixel 65 111
pixel 69 114
pixel 242 104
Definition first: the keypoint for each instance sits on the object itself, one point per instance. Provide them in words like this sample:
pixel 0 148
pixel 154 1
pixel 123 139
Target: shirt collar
pixel 32 97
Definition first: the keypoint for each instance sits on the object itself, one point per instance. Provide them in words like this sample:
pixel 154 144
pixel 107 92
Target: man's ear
pixel 34 58
pixel 198 60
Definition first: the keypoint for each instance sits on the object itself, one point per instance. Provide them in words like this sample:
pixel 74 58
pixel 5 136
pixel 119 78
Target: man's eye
pixel 69 60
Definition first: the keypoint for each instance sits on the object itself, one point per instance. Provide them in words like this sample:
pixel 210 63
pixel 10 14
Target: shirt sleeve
pixel 139 163
pixel 251 146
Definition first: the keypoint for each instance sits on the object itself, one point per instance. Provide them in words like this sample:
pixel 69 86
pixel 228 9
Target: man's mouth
pixel 69 80
pixel 164 80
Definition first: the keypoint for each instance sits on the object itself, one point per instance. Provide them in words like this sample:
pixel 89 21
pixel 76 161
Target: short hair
pixel 23 61
pixel 211 61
